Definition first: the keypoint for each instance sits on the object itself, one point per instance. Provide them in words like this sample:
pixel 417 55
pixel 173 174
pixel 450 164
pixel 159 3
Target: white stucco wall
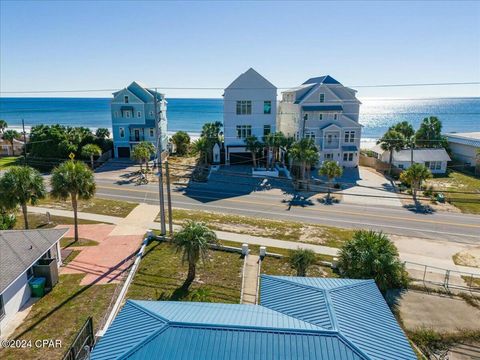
pixel 464 153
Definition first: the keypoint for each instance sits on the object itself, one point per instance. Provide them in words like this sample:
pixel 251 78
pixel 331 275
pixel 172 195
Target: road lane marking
pixel 365 214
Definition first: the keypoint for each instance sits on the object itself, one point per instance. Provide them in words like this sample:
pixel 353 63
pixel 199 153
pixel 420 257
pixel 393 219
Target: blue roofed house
pixel 327 112
pixel 133 118
pixel 298 318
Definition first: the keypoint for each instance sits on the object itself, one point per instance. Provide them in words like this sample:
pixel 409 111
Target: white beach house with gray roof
pixel 20 252
pixel 327 112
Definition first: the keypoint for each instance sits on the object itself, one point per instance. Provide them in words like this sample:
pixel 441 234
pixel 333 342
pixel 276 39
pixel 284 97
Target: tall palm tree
pixel 311 159
pixel 254 146
pixel 279 141
pixel 301 260
pixel 430 132
pixel 10 136
pixel 300 153
pixel 91 150
pixel 405 128
pixel 193 241
pixel 269 141
pixel 415 175
pixel 331 170
pixel 74 180
pixel 22 185
pixel 392 141
pixel 3 126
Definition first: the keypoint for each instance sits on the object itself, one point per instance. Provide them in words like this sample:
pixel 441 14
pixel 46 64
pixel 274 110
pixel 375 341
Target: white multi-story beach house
pixel 249 108
pixel 133 118
pixel 326 111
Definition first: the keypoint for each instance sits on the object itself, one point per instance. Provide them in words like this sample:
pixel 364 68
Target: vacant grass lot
pixel 39 221
pixel 8 161
pixel 281 266
pixel 161 272
pixel 282 230
pixel 59 315
pixel 459 182
pixel 94 206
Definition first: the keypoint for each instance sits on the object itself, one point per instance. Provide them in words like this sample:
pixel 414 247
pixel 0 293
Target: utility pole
pixel 169 200
pixel 24 144
pixel 159 162
pixel 412 144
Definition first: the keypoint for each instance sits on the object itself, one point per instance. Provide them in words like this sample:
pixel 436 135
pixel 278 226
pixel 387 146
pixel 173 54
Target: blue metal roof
pixel 326 79
pixel 349 148
pixel 322 108
pixel 356 307
pixel 300 318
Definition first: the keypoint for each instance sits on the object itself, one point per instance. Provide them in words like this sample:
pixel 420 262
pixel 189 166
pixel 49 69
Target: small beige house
pixel 6 147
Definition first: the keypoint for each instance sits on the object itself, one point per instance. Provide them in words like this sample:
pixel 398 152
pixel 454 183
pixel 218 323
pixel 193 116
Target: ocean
pixel 376 115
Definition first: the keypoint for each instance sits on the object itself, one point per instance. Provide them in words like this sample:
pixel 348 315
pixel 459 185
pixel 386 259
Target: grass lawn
pixel 94 206
pixel 39 221
pixel 456 181
pixel 282 230
pixel 70 257
pixel 161 272
pixel 70 241
pixel 9 161
pixel 281 266
pixel 59 315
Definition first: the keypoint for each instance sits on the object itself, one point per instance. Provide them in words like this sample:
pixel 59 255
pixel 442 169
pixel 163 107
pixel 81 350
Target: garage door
pixel 123 152
pixel 242 158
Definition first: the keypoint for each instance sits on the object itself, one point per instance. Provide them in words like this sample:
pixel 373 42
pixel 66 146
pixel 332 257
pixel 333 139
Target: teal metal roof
pixel 322 108
pixel 300 318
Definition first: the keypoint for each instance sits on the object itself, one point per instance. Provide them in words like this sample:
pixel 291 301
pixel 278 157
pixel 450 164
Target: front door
pixel 137 135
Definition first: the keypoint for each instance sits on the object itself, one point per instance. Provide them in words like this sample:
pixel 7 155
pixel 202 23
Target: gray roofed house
pixel 20 251
pixel 436 159
pixel 464 147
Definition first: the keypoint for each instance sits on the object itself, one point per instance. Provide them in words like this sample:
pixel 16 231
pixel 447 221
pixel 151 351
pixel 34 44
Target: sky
pixel 55 45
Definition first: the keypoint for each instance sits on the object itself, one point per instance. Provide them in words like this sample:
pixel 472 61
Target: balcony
pixel 137 138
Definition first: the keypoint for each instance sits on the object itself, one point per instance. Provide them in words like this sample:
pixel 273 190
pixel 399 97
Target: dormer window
pixel 320 117
pixel 335 116
pixel 125 99
pixel 322 98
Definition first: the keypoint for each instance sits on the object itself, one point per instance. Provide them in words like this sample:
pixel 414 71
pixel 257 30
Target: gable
pixel 118 97
pixel 251 80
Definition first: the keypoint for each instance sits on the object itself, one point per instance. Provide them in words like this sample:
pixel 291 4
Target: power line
pixel 244 88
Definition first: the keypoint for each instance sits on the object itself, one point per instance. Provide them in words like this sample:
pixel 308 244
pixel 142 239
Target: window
pixel 305 117
pixel 345 157
pixel 438 166
pixel 2 307
pixel 244 107
pixel 267 107
pixel 352 136
pixel 335 116
pixel 329 138
pixel 267 129
pixel 125 99
pixel 244 131
pixel 350 157
pixel 122 132
pixel 139 114
pixel 322 98
pixel 433 165
pixel 328 156
pixel 349 136
pixel 116 114
pixel 127 113
pixel 30 273
pixel 152 132
pixel 400 166
pixel 320 117
pixel 310 135
pixel 151 113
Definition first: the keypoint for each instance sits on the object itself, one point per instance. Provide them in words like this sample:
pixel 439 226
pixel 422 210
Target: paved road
pixel 274 204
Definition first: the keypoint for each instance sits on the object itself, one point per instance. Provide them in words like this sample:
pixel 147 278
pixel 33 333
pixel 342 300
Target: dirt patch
pixel 469 257
pixel 443 313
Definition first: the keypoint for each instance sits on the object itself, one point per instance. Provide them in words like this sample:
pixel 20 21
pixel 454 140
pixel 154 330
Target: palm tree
pixel 311 159
pixel 74 180
pixel 331 170
pixel 10 136
pixel 392 141
pixel 22 185
pixel 301 152
pixel 142 153
pixel 91 150
pixel 193 241
pixel 254 146
pixel 279 141
pixel 269 141
pixel 405 128
pixel 102 133
pixel 211 132
pixel 430 132
pixel 3 126
pixel 301 260
pixel 201 146
pixel 371 255
pixel 414 176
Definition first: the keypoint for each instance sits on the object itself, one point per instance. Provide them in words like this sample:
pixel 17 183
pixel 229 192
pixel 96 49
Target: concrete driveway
pixel 371 189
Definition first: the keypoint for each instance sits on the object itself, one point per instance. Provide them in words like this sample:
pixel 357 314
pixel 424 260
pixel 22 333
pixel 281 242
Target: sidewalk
pixel 422 251
pixel 250 280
